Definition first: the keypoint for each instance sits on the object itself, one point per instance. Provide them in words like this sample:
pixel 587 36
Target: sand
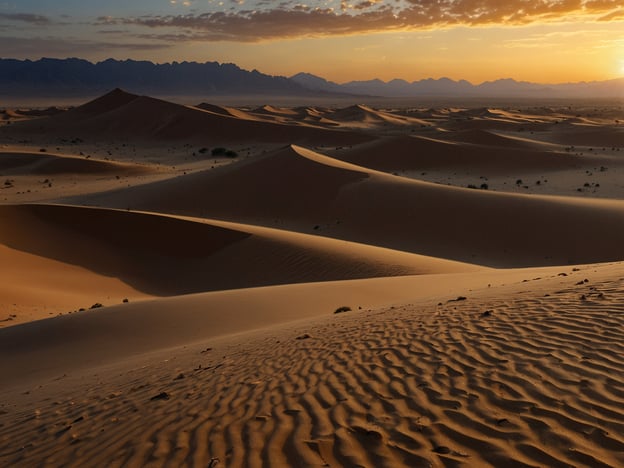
pixel 161 305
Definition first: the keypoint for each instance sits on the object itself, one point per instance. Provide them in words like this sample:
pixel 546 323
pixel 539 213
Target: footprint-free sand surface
pixel 171 276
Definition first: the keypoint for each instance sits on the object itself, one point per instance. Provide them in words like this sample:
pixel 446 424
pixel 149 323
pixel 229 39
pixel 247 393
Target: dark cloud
pixel 20 47
pixel 38 20
pixel 288 21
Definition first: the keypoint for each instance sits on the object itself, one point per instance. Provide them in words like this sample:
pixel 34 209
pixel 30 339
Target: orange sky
pixel 550 53
pixel 540 40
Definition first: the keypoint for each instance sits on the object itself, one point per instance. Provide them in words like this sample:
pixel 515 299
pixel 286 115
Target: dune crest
pixel 343 285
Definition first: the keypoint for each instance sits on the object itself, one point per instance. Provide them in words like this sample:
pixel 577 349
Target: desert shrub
pixel 220 151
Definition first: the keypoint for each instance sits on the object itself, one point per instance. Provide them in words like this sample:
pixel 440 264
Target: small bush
pixel 342 309
pixel 220 151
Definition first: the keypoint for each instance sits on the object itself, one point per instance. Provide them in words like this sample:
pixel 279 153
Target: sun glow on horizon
pixel 280 40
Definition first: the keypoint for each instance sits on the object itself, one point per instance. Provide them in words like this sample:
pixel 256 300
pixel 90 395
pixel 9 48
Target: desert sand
pixel 229 286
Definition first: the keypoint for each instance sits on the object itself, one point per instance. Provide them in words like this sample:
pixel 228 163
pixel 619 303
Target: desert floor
pixel 171 276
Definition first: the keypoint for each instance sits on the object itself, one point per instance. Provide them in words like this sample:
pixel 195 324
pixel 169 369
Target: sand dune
pixel 492 139
pixel 405 153
pixel 224 110
pixel 521 375
pixel 16 163
pixel 363 116
pixel 44 347
pixel 316 194
pixel 161 255
pixel 229 352
pixel 34 287
pixel 595 136
pixel 123 115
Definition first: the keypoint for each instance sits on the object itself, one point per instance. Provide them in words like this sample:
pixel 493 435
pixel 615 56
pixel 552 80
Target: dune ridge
pixel 126 116
pixel 155 255
pixel 520 375
pixel 13 163
pixel 311 286
pixel 301 192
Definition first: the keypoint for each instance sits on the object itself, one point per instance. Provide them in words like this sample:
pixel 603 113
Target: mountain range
pixel 75 76
pixel 447 87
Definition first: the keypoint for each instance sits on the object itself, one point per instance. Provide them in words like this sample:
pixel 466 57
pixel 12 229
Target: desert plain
pixel 311 286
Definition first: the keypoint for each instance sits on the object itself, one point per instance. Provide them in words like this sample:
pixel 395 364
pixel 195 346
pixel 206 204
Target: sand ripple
pixel 529 379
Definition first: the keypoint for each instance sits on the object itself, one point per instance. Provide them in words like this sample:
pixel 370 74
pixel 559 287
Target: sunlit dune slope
pixel 162 255
pixel 299 189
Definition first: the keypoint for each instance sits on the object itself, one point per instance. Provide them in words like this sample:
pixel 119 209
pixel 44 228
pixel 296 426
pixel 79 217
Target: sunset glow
pixel 552 41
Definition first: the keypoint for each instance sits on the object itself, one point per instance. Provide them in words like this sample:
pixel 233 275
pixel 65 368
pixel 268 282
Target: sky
pixel 544 41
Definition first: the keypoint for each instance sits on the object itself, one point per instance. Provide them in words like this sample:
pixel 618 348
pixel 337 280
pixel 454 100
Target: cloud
pixel 30 18
pixel 290 21
pixel 20 47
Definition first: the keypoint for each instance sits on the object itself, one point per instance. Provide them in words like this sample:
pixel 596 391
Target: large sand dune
pixel 126 116
pixel 516 375
pixel 479 327
pixel 165 255
pixel 308 192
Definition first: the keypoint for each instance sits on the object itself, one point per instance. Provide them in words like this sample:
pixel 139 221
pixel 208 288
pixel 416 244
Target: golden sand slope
pixel 526 374
pixel 33 287
pixel 298 189
pixel 82 256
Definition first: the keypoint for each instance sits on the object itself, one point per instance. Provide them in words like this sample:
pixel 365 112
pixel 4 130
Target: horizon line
pixel 444 77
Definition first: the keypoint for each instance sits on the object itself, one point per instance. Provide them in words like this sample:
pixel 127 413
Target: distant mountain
pixel 316 83
pixel 76 76
pixel 445 87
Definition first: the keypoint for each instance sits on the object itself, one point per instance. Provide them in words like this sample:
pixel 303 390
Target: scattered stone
pixel 487 313
pixel 305 336
pixel 342 309
pixel 459 298
pixel 97 305
pixel 160 396
pixel 442 449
